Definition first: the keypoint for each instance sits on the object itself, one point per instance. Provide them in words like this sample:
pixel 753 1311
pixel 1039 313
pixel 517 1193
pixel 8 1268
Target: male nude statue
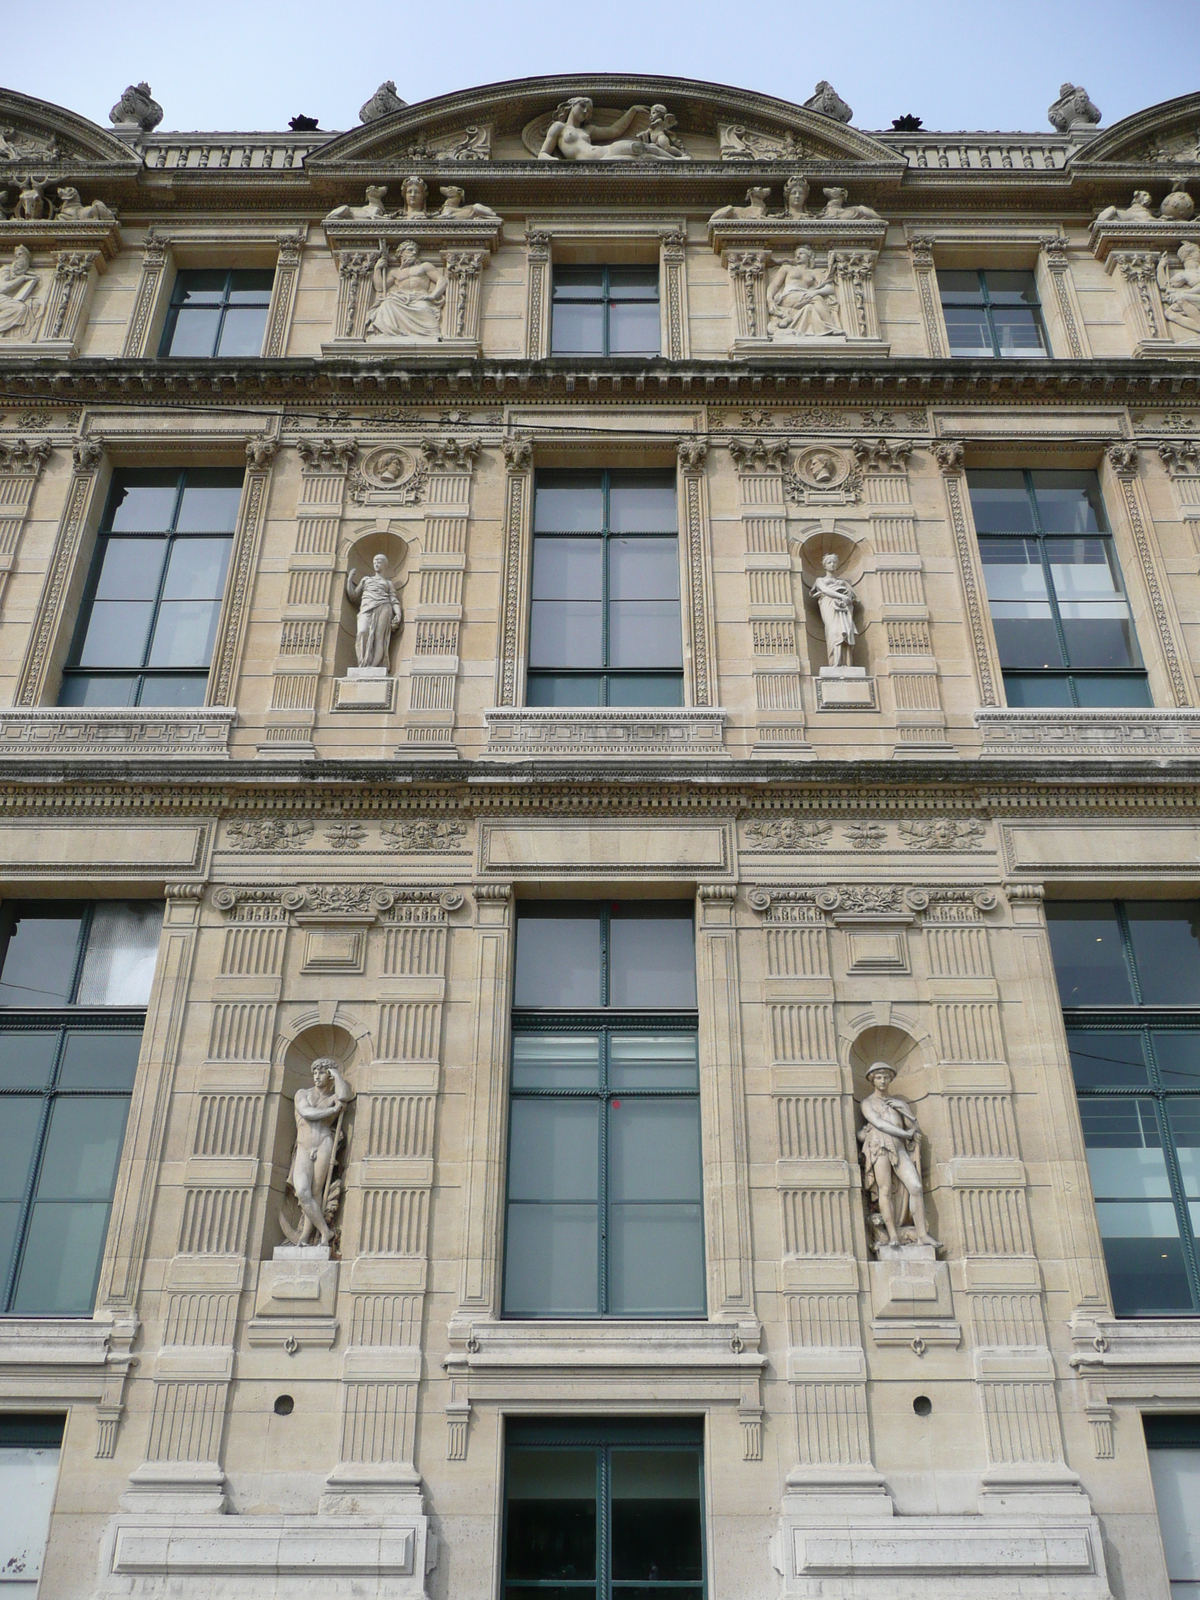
pixel 891 1156
pixel 317 1112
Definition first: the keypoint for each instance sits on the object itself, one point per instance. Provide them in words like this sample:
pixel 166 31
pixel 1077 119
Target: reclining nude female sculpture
pixel 573 136
pixel 891 1162
pixel 319 1114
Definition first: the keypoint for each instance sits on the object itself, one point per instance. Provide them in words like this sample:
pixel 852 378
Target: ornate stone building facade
pixel 599 975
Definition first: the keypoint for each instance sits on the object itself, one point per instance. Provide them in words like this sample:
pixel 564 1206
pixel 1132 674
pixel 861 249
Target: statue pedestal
pixel 364 689
pixel 296 1298
pixel 845 689
pixel 910 1296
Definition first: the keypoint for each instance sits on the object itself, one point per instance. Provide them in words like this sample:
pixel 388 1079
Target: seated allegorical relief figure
pixel 408 296
pixel 1180 288
pixel 1138 211
pixel 19 302
pixel 802 303
pixel 373 211
pixel 573 136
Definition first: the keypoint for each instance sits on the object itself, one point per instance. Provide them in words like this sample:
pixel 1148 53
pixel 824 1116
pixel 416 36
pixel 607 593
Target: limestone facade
pixel 874 833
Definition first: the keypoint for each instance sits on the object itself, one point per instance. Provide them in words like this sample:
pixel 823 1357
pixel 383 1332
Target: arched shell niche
pixel 358 552
pixel 812 548
pixel 888 1043
pixel 299 1053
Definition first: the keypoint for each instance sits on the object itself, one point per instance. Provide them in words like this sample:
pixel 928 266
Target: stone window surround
pixel 1043 251
pixel 608 241
pixel 697 602
pixel 1159 635
pixel 168 249
pixel 107 443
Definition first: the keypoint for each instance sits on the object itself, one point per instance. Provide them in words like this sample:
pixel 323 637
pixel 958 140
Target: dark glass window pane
pixel 553 1150
pixel 968 331
pixel 131 569
pixel 1011 288
pixel 643 689
pixel 573 504
pixel 84 691
pixel 122 948
pixel 194 332
pixel 1133 690
pixel 551 1517
pixel 654 1150
pixel 144 502
pixel 1000 503
pixel 566 632
pixel 1018 332
pixel 656 1528
pixel 210 500
pixel 39 956
pixel 577 329
pixel 173 691
pixel 242 331
pixel 638 283
pixel 196 570
pixel 642 569
pixel 22 1119
pixel 578 283
pixel 82 1148
pixel 1020 607
pixel 958 287
pixel 642 503
pixel 61 1259
pixel 203 286
pixel 1085 939
pixel 1069 502
pixel 551 1266
pixel 656 1253
pixel 652 961
pixel 558 961
pixel 1166 949
pixel 1099 636
pixel 1183 1119
pixel 556 1061
pixel 116 633
pixel 183 633
pixel 633 328
pixel 644 633
pixel 1036 690
pixel 548 690
pixel 26 1062
pixel 1178 1057
pixel 653 1061
pixel 251 285
pixel 567 569
pixel 1104 1060
pixel 95 1060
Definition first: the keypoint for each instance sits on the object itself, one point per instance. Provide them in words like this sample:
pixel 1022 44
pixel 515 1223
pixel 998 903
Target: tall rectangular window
pixel 218 312
pixel 153 599
pixel 1129 979
pixel 605 627
pixel 993 314
pixel 75 977
pixel 605 311
pixel 1063 625
pixel 29 1451
pixel 604 1215
pixel 1174 1449
pixel 603 1511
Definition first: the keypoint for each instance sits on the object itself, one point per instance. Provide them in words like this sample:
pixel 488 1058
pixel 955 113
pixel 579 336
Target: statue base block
pixel 909 1282
pixel 298 1280
pixel 364 689
pixel 846 689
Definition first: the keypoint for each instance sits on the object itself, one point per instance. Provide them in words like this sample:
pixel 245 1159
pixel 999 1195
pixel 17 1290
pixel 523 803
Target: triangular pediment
pixel 505 122
pixel 43 138
pixel 1166 135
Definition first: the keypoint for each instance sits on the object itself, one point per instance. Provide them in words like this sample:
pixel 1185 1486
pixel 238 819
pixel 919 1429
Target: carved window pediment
pixel 1166 136
pixel 51 139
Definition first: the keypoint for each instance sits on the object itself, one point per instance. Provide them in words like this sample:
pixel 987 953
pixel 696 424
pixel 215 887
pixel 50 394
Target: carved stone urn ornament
pixel 1073 111
pixel 313 1177
pixel 137 108
pixel 382 103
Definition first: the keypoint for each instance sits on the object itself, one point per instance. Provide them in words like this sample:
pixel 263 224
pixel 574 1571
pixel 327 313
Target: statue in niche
pixel 72 209
pixel 891 1163
pixel 836 209
pixel 373 211
pixel 408 296
pixel 755 209
pixel 802 302
pixel 320 1115
pixel 1073 109
pixel 1138 211
pixel 835 601
pixel 453 206
pixel 829 102
pixel 572 136
pixel 1180 287
pixel 378 600
pixel 18 293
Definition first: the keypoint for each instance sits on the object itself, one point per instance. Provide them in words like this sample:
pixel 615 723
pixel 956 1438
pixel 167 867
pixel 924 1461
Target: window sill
pixel 171 731
pixel 1064 731
pixel 567 732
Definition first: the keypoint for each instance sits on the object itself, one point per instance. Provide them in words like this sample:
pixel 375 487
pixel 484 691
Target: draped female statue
pixel 801 302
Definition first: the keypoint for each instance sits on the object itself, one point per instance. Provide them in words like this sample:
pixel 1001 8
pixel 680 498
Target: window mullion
pixel 1182 1213
pixel 604 1522
pixel 1135 981
pixel 169 542
pixel 31 1182
pixel 602 1197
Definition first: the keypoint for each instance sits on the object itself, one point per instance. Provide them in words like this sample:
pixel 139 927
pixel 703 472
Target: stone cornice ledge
pixel 565 733
pixel 125 731
pixel 1065 731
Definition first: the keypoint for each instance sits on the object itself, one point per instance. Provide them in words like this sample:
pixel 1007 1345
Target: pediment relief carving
pixel 1166 135
pixel 34 133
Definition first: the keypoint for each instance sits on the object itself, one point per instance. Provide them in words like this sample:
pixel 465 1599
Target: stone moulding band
pixel 64 730
pixel 1066 731
pixel 604 731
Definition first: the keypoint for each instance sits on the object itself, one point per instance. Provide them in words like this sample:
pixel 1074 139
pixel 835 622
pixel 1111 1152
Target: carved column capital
pixel 1123 458
pixel 327 455
pixel 449 455
pixel 1181 457
pixel 537 245
pixel 747 263
pixel 882 455
pixel 518 453
pixel 692 454
pixel 674 244
pixel 920 248
pixel 24 457
pixel 87 454
pixel 260 453
pixel 1055 251
pixel 763 455
pixel 948 453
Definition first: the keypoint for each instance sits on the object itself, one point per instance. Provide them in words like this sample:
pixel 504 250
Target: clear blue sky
pixel 249 64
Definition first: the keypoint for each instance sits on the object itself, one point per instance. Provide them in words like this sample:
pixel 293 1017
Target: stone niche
pixel 373 688
pixel 445 320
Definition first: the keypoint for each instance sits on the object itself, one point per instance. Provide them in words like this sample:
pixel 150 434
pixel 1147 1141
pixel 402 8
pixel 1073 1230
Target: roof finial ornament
pixel 382 103
pixel 828 102
pixel 137 108
pixel 1073 111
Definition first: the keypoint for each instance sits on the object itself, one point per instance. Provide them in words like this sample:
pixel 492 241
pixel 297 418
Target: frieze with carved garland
pixel 927 835
pixel 777 903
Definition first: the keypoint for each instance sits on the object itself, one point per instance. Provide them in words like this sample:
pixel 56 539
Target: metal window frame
pixel 170 536
pixel 1067 673
pixel 604 300
pixel 175 306
pixel 997 354
pixel 60 1019
pixel 605 1437
pixel 605 534
pixel 1142 1019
